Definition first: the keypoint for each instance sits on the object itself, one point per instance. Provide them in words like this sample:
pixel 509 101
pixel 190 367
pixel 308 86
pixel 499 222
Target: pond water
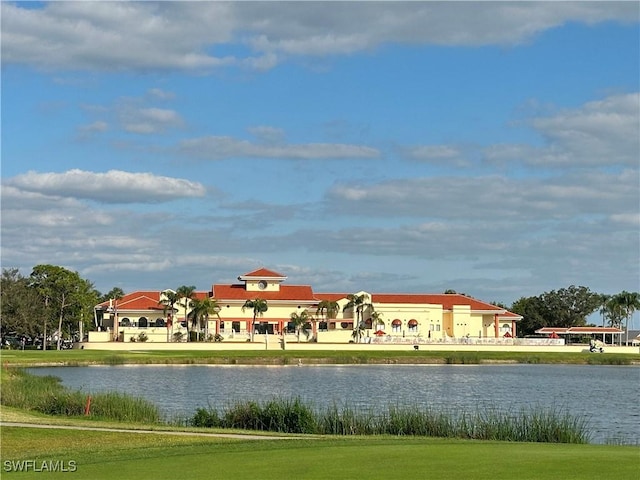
pixel 607 396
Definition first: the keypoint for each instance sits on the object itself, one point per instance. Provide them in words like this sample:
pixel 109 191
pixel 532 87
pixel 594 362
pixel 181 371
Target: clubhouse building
pixel 378 318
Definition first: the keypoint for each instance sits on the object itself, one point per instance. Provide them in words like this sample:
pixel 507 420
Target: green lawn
pixel 86 357
pixel 107 455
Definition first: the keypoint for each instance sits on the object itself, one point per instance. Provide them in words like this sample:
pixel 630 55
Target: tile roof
pixel 332 297
pixel 583 330
pixel 143 300
pixel 263 272
pixel 447 300
pixel 287 292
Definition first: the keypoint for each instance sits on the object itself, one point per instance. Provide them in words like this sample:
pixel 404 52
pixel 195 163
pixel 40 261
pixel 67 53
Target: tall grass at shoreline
pixel 294 416
pixel 47 395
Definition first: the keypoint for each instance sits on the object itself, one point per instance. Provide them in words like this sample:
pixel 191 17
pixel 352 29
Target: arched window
pixel 413 325
pixel 345 325
pixel 125 322
pixel 142 322
pixel 396 325
pixel 159 322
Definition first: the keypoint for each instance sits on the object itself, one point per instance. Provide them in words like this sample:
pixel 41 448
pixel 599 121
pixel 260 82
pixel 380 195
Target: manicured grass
pixel 89 357
pixel 100 455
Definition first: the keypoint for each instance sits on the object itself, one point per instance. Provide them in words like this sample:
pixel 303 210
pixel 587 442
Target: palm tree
pixel 168 304
pixel 328 309
pixel 626 303
pixel 201 309
pixel 604 306
pixel 259 306
pixel 300 321
pixel 358 303
pixel 376 321
pixel 186 294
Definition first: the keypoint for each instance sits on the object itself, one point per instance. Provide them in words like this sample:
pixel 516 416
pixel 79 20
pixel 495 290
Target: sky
pixel 488 148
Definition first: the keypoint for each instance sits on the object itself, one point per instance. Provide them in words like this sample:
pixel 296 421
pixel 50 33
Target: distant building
pixel 384 317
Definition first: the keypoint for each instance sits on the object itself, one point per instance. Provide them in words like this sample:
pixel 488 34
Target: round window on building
pixel 262 284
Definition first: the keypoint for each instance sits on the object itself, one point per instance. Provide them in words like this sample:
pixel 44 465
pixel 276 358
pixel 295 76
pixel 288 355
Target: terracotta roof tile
pixel 263 272
pixel 332 297
pixel 287 292
pixel 447 300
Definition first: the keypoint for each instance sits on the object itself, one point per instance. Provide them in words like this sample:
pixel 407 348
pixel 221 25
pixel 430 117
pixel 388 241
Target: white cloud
pixel 114 186
pixel 603 132
pixel 87 131
pixel 491 197
pixel 180 35
pixel 221 147
pixel 148 120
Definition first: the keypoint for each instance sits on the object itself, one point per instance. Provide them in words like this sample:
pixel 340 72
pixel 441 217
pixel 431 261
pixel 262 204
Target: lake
pixel 606 395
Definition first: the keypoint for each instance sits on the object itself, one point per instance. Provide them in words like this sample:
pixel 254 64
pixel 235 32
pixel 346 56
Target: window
pixel 396 326
pixel 143 322
pixel 159 322
pixel 125 322
pixel 413 326
pixel 235 326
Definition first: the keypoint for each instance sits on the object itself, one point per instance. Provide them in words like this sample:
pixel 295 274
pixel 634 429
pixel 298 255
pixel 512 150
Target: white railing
pixel 388 339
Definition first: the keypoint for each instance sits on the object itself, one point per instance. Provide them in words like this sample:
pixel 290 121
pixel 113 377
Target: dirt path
pixel 236 436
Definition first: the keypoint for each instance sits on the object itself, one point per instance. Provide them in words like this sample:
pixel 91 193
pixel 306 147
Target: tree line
pixel 55 299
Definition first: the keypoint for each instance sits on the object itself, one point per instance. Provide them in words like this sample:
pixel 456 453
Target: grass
pixel 47 395
pixel 92 357
pixel 294 416
pixel 113 455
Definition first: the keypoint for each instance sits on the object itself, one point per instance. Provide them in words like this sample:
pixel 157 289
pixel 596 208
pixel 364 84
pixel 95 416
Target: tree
pixel 376 321
pixel 259 306
pixel 116 293
pixel 300 321
pixel 65 295
pixel 201 309
pixel 570 307
pixel 604 309
pixel 533 315
pixel 328 309
pixel 566 307
pixel 358 303
pixel 168 303
pixel 21 305
pixel 625 304
pixel 186 294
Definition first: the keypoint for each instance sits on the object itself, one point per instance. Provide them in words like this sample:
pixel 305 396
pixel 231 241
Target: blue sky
pixel 489 148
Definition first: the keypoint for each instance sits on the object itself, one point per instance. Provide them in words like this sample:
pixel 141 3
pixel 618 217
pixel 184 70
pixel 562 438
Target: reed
pixel 292 416
pixel 47 395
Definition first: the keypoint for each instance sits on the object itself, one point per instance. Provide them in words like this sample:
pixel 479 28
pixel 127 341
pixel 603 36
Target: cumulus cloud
pixel 114 186
pixel 182 35
pixel 222 147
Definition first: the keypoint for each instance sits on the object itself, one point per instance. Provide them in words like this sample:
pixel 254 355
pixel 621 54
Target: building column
pixel 513 328
pixel 496 325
